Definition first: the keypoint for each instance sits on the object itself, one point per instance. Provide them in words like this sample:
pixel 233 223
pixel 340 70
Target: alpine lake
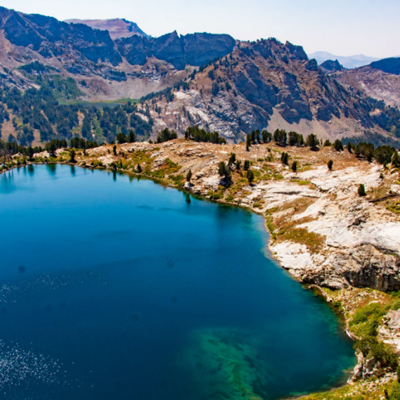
pixel 113 287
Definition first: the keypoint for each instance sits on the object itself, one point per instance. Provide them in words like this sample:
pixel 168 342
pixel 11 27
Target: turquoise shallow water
pixel 113 288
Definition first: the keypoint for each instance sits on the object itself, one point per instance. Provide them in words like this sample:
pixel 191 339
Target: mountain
pixel 117 27
pixel 103 68
pixel 266 84
pixel 201 78
pixel 180 51
pixel 331 66
pixel 379 80
pixel 389 65
pixel 347 61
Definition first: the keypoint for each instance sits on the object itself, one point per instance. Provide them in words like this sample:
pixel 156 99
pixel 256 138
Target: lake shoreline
pixel 287 253
pixel 321 294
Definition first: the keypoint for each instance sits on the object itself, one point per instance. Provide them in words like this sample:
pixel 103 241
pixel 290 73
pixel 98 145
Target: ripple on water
pixel 19 366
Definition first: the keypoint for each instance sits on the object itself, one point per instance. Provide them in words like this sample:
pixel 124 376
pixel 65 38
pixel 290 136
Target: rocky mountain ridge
pixel 252 85
pixel 129 67
pixel 379 80
pixel 268 85
pixel 355 61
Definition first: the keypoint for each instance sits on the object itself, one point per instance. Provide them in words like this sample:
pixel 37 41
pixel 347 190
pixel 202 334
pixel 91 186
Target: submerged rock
pixel 221 361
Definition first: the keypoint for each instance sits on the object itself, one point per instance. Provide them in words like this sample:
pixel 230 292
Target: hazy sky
pixel 342 27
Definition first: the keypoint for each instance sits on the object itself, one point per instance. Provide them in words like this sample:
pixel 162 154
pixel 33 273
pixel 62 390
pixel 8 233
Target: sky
pixel 341 27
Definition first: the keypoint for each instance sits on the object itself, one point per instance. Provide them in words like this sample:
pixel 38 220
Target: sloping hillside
pixel 267 84
pixel 379 80
pixel 204 79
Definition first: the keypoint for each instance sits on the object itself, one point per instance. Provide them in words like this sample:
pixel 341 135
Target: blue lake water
pixel 114 288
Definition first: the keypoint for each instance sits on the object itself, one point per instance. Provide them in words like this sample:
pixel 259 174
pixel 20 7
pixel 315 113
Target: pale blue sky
pixel 342 27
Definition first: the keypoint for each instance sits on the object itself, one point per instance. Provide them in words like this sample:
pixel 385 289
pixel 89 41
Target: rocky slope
pixel 117 27
pixel 267 84
pixel 104 69
pixel 374 82
pixel 389 65
pixel 253 85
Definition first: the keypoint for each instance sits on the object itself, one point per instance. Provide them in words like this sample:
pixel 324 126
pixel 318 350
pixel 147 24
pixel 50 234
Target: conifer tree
pixel 361 190
pixel 250 176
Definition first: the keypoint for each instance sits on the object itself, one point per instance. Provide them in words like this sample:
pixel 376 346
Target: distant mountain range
pixel 356 61
pixel 210 80
pixel 117 28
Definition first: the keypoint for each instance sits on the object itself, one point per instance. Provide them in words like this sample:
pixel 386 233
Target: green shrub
pixel 370 347
pixel 396 305
pixel 394 393
pixel 373 310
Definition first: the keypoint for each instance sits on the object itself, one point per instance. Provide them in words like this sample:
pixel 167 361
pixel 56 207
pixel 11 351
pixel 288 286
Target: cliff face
pixel 129 67
pixel 192 49
pixel 50 37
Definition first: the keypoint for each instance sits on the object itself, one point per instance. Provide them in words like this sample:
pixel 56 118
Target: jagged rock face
pixel 200 48
pixel 263 84
pixel 192 49
pixel 49 36
pixel 332 66
pixel 373 269
pixel 261 79
pixel 78 50
pixel 362 267
pixel 169 48
pixel 82 49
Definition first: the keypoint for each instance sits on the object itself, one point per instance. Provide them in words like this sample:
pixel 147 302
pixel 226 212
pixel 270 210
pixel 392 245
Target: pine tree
pixel 224 171
pixel 30 154
pixel 395 159
pixel 250 176
pixel 349 147
pixel 132 136
pixel 72 156
pixel 330 165
pixel 338 145
pixel 248 142
pixel 232 159
pixel 285 158
pixel 312 141
pixel 361 190
pixel 189 175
